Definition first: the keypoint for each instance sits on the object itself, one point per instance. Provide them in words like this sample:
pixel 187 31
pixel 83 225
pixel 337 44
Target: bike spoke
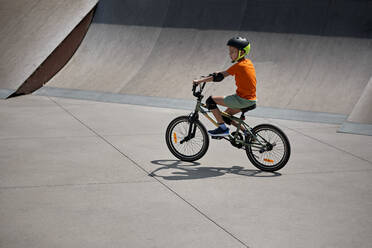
pixel 268 157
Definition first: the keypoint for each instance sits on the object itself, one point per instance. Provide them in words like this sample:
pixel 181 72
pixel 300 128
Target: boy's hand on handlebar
pixel 203 79
pixel 197 81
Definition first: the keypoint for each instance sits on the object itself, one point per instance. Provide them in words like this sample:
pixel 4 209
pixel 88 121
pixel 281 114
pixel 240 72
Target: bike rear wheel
pixel 190 150
pixel 275 154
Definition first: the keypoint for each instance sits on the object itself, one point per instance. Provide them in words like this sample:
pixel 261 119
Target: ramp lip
pixel 299 115
pixel 185 104
pixel 5 93
pixel 151 101
pixel 356 128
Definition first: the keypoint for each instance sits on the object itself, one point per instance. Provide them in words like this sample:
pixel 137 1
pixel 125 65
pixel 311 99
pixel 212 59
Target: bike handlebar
pixel 194 88
pixel 197 93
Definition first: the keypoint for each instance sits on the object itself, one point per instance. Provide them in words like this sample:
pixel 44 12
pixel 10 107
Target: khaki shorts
pixel 236 102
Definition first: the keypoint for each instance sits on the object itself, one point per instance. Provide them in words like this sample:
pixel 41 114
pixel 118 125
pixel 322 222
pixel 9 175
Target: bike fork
pixel 192 127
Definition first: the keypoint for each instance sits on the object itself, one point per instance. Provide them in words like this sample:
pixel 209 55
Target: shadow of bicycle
pixel 180 170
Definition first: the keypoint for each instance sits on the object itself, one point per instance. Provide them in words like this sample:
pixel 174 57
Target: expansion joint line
pixel 148 173
pixel 327 144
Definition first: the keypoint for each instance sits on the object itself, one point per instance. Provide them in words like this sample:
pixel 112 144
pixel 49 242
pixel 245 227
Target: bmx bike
pixel 266 146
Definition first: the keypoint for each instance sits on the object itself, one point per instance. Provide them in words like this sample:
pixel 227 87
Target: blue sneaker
pixel 219 132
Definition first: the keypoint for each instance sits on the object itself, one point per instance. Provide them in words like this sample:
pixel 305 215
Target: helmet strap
pixel 240 56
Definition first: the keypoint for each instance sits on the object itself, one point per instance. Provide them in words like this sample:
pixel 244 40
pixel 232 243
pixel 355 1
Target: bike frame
pixel 202 108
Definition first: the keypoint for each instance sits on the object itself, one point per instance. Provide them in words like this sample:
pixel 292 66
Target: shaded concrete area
pixel 57 59
pixel 82 173
pixel 30 32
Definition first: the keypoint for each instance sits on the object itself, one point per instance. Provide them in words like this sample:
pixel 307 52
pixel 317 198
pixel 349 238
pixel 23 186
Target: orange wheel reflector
pixel 268 160
pixel 175 137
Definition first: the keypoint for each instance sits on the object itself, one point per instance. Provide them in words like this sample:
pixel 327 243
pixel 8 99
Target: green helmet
pixel 241 44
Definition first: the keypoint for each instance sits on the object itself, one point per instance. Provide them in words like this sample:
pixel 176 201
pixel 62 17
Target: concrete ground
pixel 76 173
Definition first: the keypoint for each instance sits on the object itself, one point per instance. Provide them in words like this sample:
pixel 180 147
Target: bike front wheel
pixel 271 151
pixel 191 149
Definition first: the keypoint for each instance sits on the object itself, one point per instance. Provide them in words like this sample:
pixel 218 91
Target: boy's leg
pixel 222 129
pixel 232 111
pixel 216 112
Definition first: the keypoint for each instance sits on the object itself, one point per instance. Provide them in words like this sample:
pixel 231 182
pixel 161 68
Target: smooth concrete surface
pixel 30 31
pixel 328 134
pixel 76 173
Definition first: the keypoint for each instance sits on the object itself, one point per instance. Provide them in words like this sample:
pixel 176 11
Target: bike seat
pixel 244 110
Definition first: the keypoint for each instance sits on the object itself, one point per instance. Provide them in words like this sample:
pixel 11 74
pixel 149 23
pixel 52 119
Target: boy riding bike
pixel 266 145
pixel 245 78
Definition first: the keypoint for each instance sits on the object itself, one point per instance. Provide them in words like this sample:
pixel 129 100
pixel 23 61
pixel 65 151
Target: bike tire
pixel 172 139
pixel 258 159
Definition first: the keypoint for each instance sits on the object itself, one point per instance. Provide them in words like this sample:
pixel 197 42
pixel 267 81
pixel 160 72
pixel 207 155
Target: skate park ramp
pixel 311 57
pixel 359 121
pixel 31 44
